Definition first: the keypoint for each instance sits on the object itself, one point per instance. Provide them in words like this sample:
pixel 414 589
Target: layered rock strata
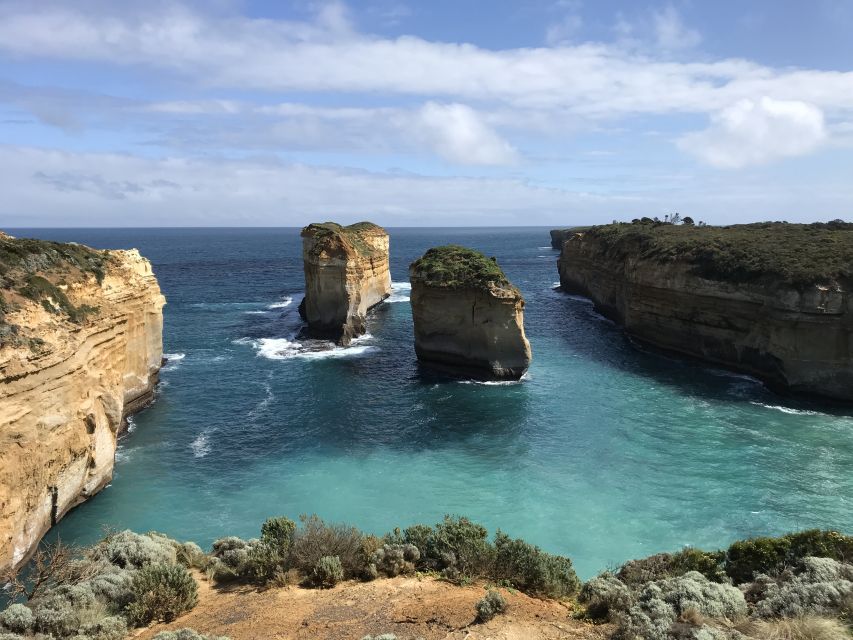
pixel 559 236
pixel 346 273
pixel 755 302
pixel 468 317
pixel 80 349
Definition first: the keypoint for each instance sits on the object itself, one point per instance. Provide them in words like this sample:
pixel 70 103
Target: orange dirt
pixel 410 608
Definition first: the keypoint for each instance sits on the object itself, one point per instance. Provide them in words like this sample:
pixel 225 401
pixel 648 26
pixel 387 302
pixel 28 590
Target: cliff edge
pixel 80 349
pixel 468 317
pixel 770 299
pixel 346 273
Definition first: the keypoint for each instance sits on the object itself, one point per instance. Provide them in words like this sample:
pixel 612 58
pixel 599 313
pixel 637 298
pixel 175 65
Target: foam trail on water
pixel 289 348
pixel 200 446
pixel 173 361
pixel 286 302
pixel 788 410
pixel 399 292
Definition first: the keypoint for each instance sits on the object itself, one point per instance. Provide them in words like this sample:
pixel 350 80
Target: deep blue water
pixel 604 453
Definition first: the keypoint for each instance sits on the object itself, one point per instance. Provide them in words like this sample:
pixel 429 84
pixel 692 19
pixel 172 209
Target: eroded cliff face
pixel 464 325
pixel 77 357
pixel 559 236
pixel 794 338
pixel 346 273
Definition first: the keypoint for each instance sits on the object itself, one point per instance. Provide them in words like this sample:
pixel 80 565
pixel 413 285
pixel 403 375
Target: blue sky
pixel 555 112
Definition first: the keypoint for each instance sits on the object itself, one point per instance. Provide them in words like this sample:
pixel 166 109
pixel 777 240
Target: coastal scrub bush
pixel 278 533
pixel 803 628
pixel 315 539
pixel 191 555
pixel 489 606
pixel 395 559
pixel 161 592
pixel 659 604
pixel 459 549
pixel 327 572
pixel 670 565
pixel 186 634
pixel 453 266
pixel 130 550
pixel 10 636
pixel 747 558
pixel 527 568
pixel 819 586
pixel 18 618
pixel 605 594
pixel 108 628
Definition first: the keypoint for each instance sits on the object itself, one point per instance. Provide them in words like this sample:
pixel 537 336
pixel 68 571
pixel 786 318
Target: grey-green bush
pixel 659 604
pixel 489 606
pixel 316 539
pixel 10 636
pixel 819 586
pixel 186 634
pixel 17 618
pixel 527 568
pixel 130 550
pixel 161 592
pixel 109 628
pixel 191 555
pixel 395 559
pixel 327 572
pixel 605 594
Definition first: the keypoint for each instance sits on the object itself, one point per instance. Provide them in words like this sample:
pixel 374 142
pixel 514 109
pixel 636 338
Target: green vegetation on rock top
pixel 351 235
pixel 455 267
pixel 799 254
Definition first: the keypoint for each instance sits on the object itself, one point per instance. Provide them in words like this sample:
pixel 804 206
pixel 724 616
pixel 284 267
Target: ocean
pixel 603 452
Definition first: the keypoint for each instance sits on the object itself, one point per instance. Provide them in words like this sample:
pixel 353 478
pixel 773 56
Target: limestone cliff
pixel 772 301
pixel 559 236
pixel 468 318
pixel 346 273
pixel 80 349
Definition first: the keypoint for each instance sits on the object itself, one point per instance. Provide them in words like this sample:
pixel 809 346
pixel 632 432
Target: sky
pixel 430 113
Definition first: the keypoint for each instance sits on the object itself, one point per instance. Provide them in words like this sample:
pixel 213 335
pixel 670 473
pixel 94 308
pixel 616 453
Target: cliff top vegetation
pixel 454 267
pixel 352 235
pixel 800 254
pixel 37 270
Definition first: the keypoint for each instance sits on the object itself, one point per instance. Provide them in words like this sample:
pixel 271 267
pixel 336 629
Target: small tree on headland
pixel 687 220
pixel 675 218
pixel 52 565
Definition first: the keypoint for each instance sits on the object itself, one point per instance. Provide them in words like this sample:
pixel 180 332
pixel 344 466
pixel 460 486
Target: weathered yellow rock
pixel 346 273
pixel 468 318
pixel 66 385
pixel 796 338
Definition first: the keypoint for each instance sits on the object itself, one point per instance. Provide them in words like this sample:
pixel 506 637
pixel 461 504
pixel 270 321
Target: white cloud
pixel 758 131
pixel 670 31
pixel 458 134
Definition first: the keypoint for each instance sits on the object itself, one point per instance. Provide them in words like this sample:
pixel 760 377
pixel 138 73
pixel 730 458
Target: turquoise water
pixel 605 452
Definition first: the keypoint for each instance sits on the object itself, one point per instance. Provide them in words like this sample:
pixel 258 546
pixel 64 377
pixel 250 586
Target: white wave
pixel 286 302
pixel 257 313
pixel 200 446
pixel 498 383
pixel 396 298
pixel 788 410
pixel 401 286
pixel 173 361
pixel 287 349
pixel 131 424
pixel 556 285
pixel 544 247
pixel 122 455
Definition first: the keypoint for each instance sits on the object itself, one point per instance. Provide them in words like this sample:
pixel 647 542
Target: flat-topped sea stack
pixel 346 273
pixel 468 317
pixel 770 299
pixel 80 349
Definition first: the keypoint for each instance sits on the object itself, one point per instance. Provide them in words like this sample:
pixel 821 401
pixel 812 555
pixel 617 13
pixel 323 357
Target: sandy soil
pixel 408 607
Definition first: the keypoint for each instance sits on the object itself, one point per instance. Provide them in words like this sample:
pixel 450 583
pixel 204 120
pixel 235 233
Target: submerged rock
pixel 468 317
pixel 80 350
pixel 346 273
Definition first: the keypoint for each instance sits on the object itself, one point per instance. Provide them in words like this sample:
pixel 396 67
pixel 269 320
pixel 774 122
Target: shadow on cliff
pixel 590 335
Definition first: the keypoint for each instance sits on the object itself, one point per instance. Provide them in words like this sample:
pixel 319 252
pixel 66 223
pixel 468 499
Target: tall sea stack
pixel 346 273
pixel 770 299
pixel 80 349
pixel 468 317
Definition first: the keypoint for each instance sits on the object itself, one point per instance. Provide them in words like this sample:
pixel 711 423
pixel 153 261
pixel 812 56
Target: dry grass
pixel 805 628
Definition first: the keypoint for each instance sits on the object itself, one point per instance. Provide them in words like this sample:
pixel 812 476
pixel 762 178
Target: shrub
pixel 671 565
pixel 459 548
pixel 59 621
pixel 394 559
pixel 316 539
pixel 327 572
pixel 10 636
pixel 186 634
pixel 605 595
pixel 130 550
pixel 161 592
pixel 17 618
pixel 278 533
pixel 488 607
pixel 191 555
pixel 230 558
pixel 112 586
pixel 528 568
pixel 820 586
pixel 109 628
pixel 659 604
